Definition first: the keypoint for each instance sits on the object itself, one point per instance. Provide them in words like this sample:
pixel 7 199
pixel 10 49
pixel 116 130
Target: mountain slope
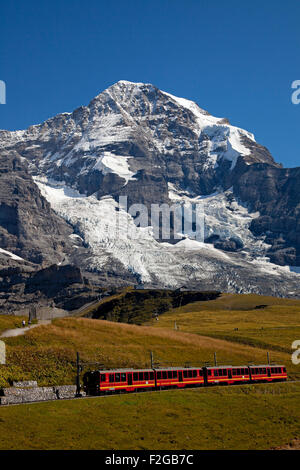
pixel 137 141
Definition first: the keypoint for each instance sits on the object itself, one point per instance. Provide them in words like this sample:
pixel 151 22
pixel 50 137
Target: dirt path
pixel 22 331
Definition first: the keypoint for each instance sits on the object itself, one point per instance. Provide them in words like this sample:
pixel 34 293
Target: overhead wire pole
pixel 78 370
pixel 151 359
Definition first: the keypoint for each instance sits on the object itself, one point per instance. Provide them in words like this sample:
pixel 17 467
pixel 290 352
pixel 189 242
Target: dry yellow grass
pixel 47 353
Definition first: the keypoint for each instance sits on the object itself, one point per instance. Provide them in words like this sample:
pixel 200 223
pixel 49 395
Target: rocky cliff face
pixel 137 141
pixel 28 225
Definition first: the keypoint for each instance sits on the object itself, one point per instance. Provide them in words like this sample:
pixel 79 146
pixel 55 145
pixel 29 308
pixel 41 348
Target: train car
pixel 278 373
pixel 179 377
pixel 218 375
pixel 110 381
pixel 268 373
pixel 240 374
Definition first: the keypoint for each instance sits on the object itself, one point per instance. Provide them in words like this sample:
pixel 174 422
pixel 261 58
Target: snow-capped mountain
pixel 137 141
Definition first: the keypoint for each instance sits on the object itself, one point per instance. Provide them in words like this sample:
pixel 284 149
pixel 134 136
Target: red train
pixel 128 380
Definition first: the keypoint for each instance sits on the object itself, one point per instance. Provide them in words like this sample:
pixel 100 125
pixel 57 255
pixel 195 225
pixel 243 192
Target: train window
pixel 185 374
pixel 159 375
pixel 209 372
pixel 103 377
pixel 135 376
pixel 123 377
pixel 201 373
pixel 190 373
pixel 141 376
pixel 164 374
pixel 111 377
pixel 216 373
pixel 151 376
pixel 194 373
pixel 146 375
pixel 170 374
pixel 284 369
pixel 175 374
pixel 233 371
pixel 117 377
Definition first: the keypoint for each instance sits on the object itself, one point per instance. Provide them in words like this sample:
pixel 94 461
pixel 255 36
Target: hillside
pixel 241 335
pixel 137 306
pixel 240 417
pixel 264 322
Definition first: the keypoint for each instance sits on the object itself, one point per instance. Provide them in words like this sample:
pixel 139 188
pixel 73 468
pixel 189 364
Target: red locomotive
pixel 130 380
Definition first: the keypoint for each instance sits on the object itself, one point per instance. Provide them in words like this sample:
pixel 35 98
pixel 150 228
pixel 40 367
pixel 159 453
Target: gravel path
pixel 22 331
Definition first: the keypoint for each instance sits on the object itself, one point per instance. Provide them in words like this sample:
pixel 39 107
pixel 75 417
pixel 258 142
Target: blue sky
pixel 235 59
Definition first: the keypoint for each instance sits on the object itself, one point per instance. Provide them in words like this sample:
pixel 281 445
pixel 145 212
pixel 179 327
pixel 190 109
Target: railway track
pixel 120 394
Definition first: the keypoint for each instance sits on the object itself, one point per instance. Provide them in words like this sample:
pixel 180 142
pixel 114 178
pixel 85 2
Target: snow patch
pixel 11 255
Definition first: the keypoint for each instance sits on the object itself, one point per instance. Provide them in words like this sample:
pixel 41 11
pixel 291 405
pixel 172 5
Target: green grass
pixel 260 417
pixel 235 319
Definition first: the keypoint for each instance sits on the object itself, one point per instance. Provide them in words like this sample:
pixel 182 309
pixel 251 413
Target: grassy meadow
pixel 239 417
pixel 47 353
pixel 219 418
pixel 240 319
